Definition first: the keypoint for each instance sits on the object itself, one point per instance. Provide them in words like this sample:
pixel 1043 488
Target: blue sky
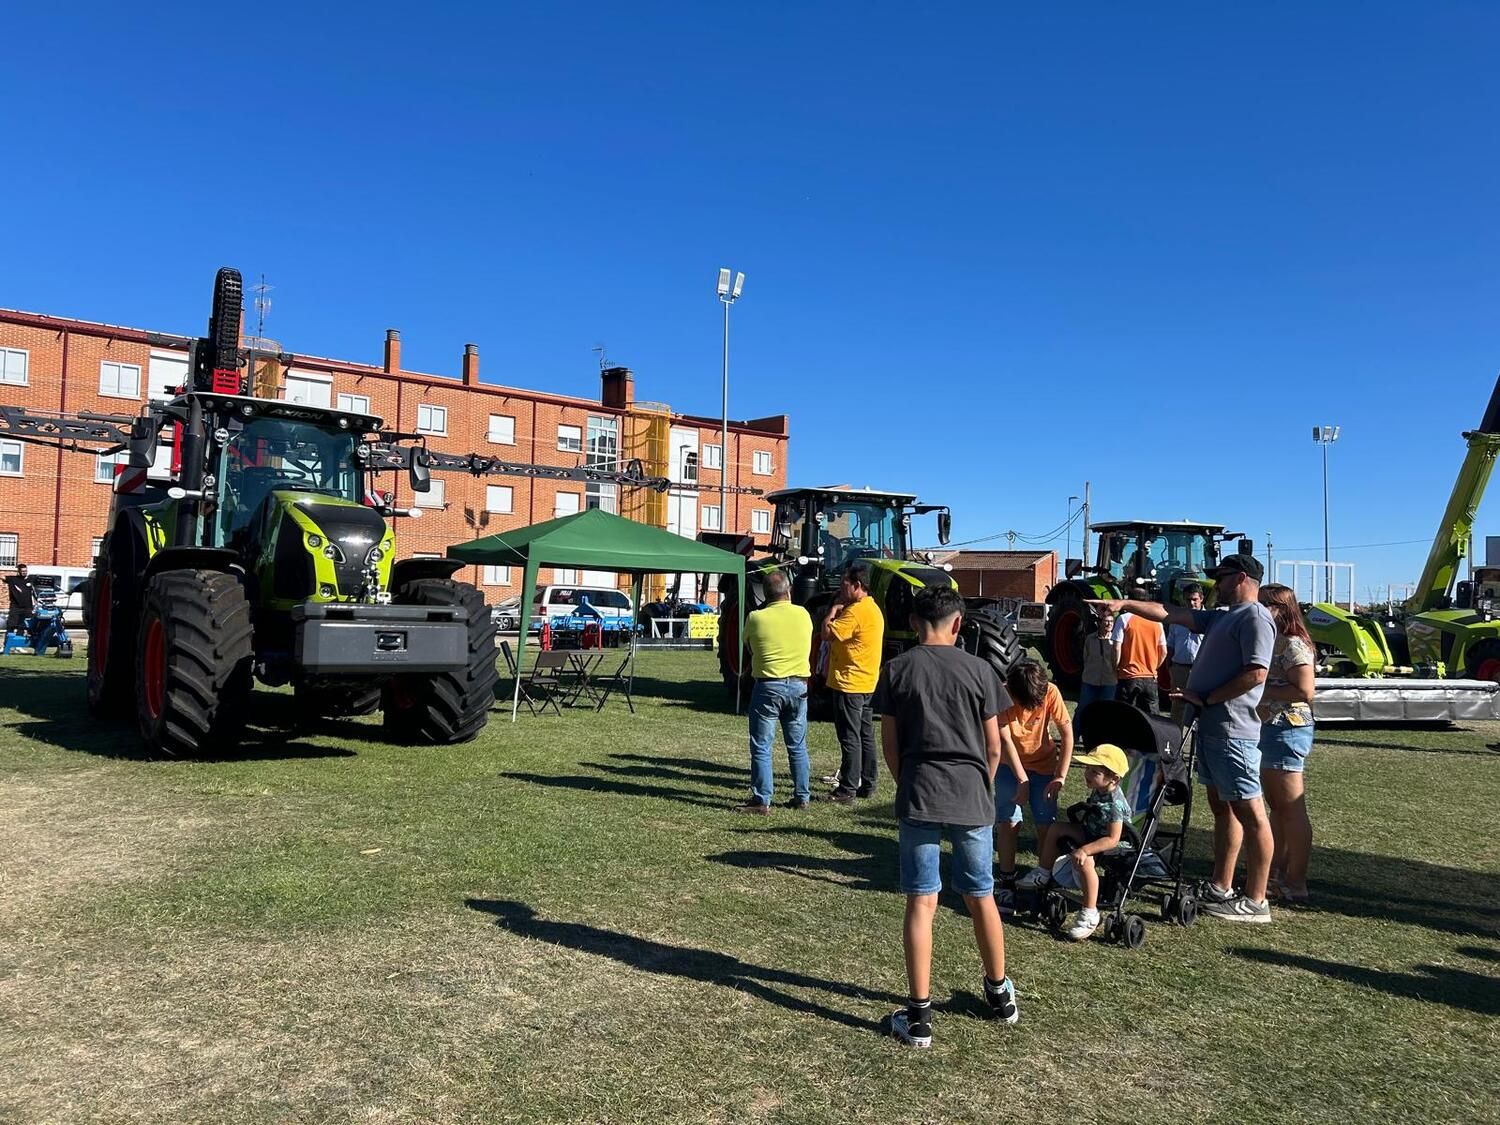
pixel 991 252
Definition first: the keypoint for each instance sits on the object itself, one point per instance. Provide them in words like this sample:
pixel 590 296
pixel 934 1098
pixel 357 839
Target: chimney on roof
pixel 471 364
pixel 392 350
pixel 617 388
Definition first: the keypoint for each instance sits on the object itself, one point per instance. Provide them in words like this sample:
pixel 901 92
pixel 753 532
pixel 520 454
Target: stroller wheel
pixel 1055 910
pixel 1134 931
pixel 1187 909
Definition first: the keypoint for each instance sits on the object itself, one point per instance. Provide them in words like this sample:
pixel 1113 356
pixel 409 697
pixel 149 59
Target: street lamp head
pixel 1325 435
pixel 724 282
pixel 739 283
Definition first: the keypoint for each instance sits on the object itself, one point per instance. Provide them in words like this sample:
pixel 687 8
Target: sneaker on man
pixel 1005 898
pixel 912 1034
pixel 1034 880
pixel 1212 892
pixel 1085 922
pixel 1002 1000
pixel 1238 909
pixel 841 796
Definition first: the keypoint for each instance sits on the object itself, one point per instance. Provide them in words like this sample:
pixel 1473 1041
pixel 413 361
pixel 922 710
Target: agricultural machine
pixel 267 555
pixel 816 533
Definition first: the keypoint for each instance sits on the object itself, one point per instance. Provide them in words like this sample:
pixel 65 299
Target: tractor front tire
pixel 193 662
pixel 446 707
pixel 1483 661
pixel 1068 622
pixel 993 640
pixel 111 617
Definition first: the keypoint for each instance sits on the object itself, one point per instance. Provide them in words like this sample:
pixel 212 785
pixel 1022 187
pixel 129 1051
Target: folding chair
pixel 618 681
pixel 544 682
pixel 526 697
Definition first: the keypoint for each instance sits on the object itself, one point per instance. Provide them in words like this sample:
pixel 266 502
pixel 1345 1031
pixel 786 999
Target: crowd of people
pixel 970 755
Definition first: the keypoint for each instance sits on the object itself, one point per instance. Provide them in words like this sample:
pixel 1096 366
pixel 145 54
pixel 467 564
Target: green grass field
pixel 563 922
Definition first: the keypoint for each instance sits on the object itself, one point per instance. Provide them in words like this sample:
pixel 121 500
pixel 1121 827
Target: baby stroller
pixel 1148 863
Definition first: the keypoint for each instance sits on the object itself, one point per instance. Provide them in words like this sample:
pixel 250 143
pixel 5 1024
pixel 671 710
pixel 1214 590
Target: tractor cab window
pixel 787 526
pixel 849 530
pixel 272 454
pixel 1120 553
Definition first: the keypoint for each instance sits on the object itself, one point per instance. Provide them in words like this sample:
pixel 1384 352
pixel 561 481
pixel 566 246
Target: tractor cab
pixel 1163 556
pixel 825 529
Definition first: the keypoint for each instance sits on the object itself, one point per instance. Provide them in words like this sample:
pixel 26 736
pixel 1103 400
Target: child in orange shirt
pixel 1036 712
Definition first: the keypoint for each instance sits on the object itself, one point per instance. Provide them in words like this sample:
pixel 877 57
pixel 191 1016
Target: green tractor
pixel 1163 556
pixel 816 533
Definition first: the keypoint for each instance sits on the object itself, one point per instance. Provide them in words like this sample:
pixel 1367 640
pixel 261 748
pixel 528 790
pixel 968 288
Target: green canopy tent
pixel 596 540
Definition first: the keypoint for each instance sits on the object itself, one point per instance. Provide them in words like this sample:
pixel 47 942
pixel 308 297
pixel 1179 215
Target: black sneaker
pixel 912 1034
pixel 797 803
pixel 865 794
pixel 1208 892
pixel 842 796
pixel 1005 894
pixel 754 808
pixel 1002 1000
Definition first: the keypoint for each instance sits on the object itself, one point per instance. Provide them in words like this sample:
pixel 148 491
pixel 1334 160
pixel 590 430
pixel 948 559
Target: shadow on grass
pixel 584 784
pixel 700 765
pixel 871 861
pixel 1356 743
pixel 706 695
pixel 686 962
pixel 1436 984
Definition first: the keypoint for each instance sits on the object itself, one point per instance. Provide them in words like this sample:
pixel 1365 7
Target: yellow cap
pixel 1108 755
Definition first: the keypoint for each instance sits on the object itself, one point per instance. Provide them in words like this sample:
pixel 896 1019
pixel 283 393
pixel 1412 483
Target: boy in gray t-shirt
pixel 1228 677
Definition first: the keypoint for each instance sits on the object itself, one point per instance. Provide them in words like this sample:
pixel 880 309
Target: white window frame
pixel 568 443
pixel 435 497
pixel 489 435
pixel 690 466
pixel 760 521
pixel 564 577
pixel 351 403
pixel 759 458
pixel 5 361
pixel 20 448
pixel 713 518
pixel 433 411
pixel 108 460
pixel 557 509
pixel 713 457
pixel 496 575
pixel 493 494
pixel 94 545
pixel 120 369
pixel 605 497
pixel 12 540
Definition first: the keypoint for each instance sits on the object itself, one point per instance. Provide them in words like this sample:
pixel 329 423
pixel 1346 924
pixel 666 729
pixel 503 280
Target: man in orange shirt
pixel 1140 649
pixel 854 632
pixel 1036 709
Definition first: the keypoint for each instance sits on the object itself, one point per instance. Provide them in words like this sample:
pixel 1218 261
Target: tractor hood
pixel 339 534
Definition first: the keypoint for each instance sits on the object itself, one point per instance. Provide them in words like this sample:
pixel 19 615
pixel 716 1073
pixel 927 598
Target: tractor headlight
pixel 326 590
pixel 314 541
pixel 330 552
pixel 375 555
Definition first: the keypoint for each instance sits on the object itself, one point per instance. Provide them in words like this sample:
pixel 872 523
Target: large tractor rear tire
pixel 1068 622
pixel 993 640
pixel 193 662
pixel 1483 661
pixel 446 707
pixel 111 612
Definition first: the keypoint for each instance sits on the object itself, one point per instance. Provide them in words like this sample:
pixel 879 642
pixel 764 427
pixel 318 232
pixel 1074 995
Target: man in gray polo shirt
pixel 1225 685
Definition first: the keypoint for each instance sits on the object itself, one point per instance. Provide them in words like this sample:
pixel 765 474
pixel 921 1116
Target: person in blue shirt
pixel 1182 649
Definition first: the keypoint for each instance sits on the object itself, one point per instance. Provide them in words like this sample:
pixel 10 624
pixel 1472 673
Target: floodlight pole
pixel 1326 436
pixel 727 296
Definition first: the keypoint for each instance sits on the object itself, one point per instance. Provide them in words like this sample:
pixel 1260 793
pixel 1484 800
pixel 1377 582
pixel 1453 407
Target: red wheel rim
pixel 99 644
pixel 1064 633
pixel 1488 669
pixel 155 667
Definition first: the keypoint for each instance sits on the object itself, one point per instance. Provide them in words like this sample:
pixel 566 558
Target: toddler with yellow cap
pixel 1098 830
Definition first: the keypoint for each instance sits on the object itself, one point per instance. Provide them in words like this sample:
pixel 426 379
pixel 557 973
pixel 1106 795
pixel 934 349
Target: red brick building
pixel 1003 574
pixel 54 505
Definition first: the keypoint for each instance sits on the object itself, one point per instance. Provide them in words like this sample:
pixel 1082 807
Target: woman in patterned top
pixel 1286 737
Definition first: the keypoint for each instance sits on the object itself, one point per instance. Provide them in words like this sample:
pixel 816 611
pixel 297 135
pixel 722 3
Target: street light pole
pixel 1326 436
pixel 1068 535
pixel 727 296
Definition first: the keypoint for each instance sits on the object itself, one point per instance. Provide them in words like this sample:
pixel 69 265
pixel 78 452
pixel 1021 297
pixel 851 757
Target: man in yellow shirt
pixel 854 631
pixel 779 635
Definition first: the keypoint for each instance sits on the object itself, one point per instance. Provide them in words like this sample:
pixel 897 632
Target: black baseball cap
pixel 1239 563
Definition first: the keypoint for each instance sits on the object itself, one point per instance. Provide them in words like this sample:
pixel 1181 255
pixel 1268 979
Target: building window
pixel 762 463
pixel 566 504
pixel 760 521
pixel 604 443
pixel 10 548
pixel 434 496
pixel 94 547
pixel 13 366
pixel 713 456
pixel 12 458
pixel 690 467
pixel 497 576
pixel 308 390
pixel 432 419
pixel 711 521
pixel 570 439
pixel 499 498
pixel 104 466
pixel 564 577
pixel 120 380
pixel 502 429
pixel 355 404
pixel 605 497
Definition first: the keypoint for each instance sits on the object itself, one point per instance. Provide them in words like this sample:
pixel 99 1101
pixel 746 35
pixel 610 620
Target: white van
pixel 562 601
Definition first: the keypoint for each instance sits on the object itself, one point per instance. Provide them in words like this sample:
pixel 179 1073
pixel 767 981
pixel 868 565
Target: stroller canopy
pixel 1129 728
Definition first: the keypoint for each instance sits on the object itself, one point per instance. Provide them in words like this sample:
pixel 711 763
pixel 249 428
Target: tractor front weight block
pixel 335 639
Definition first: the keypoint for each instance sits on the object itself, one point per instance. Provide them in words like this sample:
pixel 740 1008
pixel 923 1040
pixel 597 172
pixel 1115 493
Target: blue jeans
pixel 921 845
pixel 773 702
pixel 1230 765
pixel 1043 808
pixel 1087 693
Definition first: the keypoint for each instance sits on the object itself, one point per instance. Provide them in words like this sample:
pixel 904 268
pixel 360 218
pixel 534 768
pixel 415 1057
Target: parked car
pixel 563 601
pixel 507 614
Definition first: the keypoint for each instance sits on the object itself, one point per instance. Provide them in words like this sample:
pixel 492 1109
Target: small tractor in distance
pixel 1163 556
pixel 816 533
pixel 266 556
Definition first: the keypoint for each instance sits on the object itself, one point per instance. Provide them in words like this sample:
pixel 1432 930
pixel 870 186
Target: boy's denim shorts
pixel 1230 765
pixel 1285 747
pixel 921 843
pixel 1043 808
